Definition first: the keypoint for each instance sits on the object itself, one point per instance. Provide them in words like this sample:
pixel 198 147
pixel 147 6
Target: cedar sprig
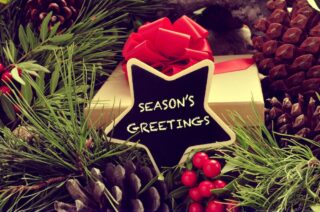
pixel 273 178
pixel 97 36
pixel 33 173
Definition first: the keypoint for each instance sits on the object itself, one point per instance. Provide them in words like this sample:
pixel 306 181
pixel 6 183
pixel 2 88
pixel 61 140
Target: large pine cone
pixel 63 11
pixel 301 117
pixel 125 183
pixel 288 49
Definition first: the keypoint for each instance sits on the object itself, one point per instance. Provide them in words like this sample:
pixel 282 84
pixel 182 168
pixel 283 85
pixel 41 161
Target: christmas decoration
pixel 199 159
pixel 301 117
pixel 126 183
pixel 64 12
pixel 288 48
pixel 264 168
pixel 215 206
pixel 55 154
pixel 187 46
pixel 55 54
pixel 226 94
pixel 211 168
pixel 176 118
pixel 207 192
pixel 189 178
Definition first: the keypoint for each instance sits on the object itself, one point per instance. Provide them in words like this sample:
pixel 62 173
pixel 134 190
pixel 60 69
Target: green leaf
pixel 13 50
pixel 8 108
pixel 54 79
pixel 46 48
pixel 16 76
pixel 61 38
pixel 27 93
pixel 31 37
pixel 227 168
pixel 5 1
pixel 220 191
pixel 315 207
pixel 44 27
pixel 227 189
pixel 40 82
pixel 33 73
pixel 23 39
pixel 32 66
pixel 10 51
pixel 54 29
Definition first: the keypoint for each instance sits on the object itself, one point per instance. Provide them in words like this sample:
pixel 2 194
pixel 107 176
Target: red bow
pixel 168 47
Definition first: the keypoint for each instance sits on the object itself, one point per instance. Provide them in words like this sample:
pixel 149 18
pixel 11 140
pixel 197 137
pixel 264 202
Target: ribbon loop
pixel 171 46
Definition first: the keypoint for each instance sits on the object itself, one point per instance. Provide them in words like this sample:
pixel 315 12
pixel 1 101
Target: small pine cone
pixel 64 12
pixel 125 183
pixel 296 117
pixel 25 133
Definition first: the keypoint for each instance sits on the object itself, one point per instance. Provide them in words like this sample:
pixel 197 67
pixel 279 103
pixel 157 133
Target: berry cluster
pixel 5 78
pixel 200 192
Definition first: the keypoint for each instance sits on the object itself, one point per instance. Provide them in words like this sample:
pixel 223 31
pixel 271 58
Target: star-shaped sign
pixel 170 115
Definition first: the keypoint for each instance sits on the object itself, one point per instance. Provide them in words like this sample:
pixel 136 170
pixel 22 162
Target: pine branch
pixel 38 186
pixel 273 178
pixel 59 145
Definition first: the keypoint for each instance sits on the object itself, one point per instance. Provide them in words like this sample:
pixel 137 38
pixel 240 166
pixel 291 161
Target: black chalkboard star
pixel 170 115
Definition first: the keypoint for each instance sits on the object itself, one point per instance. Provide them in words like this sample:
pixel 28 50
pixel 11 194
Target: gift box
pixel 231 92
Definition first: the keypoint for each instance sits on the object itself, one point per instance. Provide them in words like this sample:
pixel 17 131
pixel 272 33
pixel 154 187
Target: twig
pixel 34 187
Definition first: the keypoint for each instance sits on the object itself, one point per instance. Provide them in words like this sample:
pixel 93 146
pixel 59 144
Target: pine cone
pixel 125 184
pixel 63 11
pixel 301 117
pixel 288 49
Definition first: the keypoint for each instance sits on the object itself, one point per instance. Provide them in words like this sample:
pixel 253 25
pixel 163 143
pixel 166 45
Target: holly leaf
pixel 227 189
pixel 54 29
pixel 27 94
pixel 227 168
pixel 44 27
pixel 8 108
pixel 315 207
pixel 23 39
pixel 4 1
pixel 61 38
pixel 16 76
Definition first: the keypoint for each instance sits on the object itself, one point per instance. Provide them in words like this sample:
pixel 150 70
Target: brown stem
pixel 34 187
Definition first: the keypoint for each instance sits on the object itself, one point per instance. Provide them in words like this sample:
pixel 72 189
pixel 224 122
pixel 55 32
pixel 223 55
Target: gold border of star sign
pixel 193 68
pixel 314 5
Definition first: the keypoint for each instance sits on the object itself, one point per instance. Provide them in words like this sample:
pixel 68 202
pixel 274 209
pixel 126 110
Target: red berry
pixel 194 194
pixel 1 67
pixel 6 77
pixel 5 90
pixel 211 168
pixel 219 184
pixel 189 178
pixel 199 158
pixel 215 206
pixel 205 188
pixel 195 207
pixel 232 206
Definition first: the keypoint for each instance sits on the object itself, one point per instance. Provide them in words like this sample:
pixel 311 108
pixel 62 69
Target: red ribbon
pixel 169 47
